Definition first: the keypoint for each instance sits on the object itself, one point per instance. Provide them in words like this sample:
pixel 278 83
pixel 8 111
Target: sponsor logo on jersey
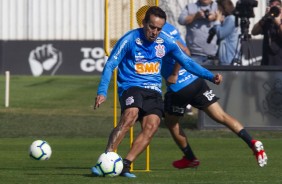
pixel 138 41
pixel 159 40
pixel 120 49
pixel 186 78
pixel 153 86
pixel 182 72
pixel 147 68
pixel 160 51
pixel 139 57
pixel 178 109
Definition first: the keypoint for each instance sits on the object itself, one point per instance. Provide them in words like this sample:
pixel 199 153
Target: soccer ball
pixel 109 164
pixel 40 150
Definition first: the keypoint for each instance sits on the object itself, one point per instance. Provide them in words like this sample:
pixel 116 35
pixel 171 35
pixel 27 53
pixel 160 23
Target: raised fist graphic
pixel 45 59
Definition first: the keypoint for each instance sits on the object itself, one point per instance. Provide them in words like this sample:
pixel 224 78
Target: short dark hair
pixel 271 1
pixel 154 10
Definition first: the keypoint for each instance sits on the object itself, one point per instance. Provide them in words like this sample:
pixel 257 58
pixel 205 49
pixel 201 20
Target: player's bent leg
pixel 150 124
pixel 128 118
pixel 259 153
pixel 177 133
pixel 216 112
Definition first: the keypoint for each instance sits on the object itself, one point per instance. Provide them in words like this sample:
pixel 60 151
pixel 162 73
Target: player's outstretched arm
pixel 99 100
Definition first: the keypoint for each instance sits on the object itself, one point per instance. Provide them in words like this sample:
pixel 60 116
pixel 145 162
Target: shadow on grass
pixel 48 81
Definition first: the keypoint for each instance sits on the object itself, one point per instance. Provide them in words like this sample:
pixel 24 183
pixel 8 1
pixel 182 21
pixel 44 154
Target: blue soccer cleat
pixel 95 172
pixel 126 172
pixel 128 175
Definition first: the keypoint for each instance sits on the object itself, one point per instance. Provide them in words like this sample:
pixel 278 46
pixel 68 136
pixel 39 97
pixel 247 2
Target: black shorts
pixel 147 100
pixel 198 94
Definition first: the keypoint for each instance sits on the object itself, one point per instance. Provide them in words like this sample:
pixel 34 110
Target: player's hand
pixel 171 79
pixel 217 79
pixel 99 100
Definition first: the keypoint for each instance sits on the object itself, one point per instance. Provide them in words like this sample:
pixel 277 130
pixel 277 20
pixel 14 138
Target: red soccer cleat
pixel 185 163
pixel 259 153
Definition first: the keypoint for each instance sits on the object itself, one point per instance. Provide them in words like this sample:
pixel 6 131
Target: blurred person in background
pixel 270 26
pixel 226 32
pixel 198 18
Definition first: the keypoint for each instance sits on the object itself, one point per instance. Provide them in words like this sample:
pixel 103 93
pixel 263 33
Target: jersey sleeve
pixel 188 64
pixel 116 56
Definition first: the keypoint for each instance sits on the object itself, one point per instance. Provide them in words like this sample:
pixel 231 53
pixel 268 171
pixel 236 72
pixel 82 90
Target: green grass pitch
pixel 59 110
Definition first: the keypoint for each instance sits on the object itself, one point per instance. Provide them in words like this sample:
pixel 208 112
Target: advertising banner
pixel 52 57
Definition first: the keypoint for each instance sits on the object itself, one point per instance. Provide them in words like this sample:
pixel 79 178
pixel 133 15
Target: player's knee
pixel 151 128
pixel 130 114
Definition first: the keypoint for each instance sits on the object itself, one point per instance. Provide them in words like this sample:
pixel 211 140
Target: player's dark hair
pixel 154 10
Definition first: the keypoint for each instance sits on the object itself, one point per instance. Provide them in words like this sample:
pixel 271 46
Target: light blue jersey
pixel 184 77
pixel 139 62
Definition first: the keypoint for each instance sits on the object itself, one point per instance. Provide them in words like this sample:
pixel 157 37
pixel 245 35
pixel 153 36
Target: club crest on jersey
pixel 159 41
pixel 138 41
pixel 129 101
pixel 160 51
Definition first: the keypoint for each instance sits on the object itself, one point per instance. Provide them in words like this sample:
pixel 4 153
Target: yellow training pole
pixel 131 27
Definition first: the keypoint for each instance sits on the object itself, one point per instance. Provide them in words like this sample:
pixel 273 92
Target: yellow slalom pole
pixel 148 158
pixel 107 53
pixel 131 142
pixel 131 27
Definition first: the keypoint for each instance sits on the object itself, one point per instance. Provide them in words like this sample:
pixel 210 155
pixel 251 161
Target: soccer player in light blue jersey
pixel 190 89
pixel 185 88
pixel 138 55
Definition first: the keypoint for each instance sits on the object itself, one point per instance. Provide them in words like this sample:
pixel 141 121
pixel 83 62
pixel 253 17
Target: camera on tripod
pixel 245 8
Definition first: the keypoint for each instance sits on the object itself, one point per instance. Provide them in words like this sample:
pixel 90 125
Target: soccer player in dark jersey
pixel 138 56
pixel 190 89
